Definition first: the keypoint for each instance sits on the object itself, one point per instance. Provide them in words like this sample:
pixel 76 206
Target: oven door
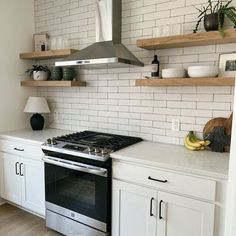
pixel 78 191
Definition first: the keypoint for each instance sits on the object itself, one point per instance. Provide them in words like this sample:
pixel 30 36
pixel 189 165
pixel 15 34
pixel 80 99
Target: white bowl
pixel 202 71
pixel 173 73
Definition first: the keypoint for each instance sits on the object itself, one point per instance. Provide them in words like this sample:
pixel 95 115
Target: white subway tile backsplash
pixel 225 114
pixel 181 104
pixel 165 139
pixel 197 97
pixel 196 113
pixel 111 102
pixel 152 117
pixel 213 105
pixel 179 11
pixel 200 49
pixel 187 127
pixel 153 103
pixel 167 111
pixel 167 5
pixel 223 97
pixel 183 58
pixel 214 89
pixel 167 97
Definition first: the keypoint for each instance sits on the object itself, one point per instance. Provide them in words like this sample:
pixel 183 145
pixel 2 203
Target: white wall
pixel 17 28
pixel 230 227
pixel 111 102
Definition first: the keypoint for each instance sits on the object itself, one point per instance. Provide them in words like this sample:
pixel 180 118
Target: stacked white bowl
pixel 202 71
pixel 173 73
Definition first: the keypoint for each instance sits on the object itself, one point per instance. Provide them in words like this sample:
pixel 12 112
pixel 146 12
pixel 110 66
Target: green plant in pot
pixel 213 15
pixel 39 72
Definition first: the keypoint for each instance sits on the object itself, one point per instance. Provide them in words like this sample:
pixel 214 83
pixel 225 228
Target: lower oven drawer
pixel 69 227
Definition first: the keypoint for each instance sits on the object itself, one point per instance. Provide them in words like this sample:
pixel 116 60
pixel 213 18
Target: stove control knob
pixel 54 142
pixel 104 151
pixel 97 150
pixel 49 141
pixel 90 149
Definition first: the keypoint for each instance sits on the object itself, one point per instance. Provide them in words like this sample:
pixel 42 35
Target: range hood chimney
pixel 108 49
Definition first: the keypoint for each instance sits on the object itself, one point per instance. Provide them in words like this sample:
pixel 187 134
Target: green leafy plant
pixel 220 7
pixel 37 68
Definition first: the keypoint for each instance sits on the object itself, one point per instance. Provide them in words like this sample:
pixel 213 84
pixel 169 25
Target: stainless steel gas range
pixel 78 181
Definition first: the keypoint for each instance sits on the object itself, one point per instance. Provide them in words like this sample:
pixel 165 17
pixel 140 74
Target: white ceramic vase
pixel 40 75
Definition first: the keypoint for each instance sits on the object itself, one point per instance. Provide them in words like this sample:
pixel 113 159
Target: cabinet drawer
pixel 178 183
pixel 21 149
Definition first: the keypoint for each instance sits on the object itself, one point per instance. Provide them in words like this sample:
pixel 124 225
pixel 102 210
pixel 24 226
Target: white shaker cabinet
pixel 144 205
pixel 33 195
pixel 22 175
pixel 134 210
pixel 182 216
pixel 10 180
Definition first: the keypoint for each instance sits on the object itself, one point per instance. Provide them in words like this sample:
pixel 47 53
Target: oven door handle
pixel 75 166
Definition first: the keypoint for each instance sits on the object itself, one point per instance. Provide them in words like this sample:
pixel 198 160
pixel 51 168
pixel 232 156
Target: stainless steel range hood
pixel 108 51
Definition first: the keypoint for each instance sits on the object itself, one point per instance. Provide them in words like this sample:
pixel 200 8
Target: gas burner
pixel 89 144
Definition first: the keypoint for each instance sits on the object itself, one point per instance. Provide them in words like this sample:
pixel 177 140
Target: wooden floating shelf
pixel 50 83
pixel 219 81
pixel 188 40
pixel 47 54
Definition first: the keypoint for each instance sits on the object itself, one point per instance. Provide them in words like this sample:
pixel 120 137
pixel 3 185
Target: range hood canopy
pixel 108 49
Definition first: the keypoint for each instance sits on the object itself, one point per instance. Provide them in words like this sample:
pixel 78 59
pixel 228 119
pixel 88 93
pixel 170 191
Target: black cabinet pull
pixel 21 172
pixel 19 150
pixel 157 180
pixel 16 168
pixel 160 204
pixel 151 214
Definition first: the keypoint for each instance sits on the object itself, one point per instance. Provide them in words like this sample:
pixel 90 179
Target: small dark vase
pixel 211 21
pixel 56 73
pixel 68 73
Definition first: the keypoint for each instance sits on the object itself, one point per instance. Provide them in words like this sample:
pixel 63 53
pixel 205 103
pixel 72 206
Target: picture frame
pixel 227 65
pixel 40 42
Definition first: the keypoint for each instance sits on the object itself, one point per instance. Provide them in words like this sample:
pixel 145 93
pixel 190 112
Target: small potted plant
pixel 39 72
pixel 213 15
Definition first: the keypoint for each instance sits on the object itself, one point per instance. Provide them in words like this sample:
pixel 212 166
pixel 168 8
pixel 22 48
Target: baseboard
pixel 24 209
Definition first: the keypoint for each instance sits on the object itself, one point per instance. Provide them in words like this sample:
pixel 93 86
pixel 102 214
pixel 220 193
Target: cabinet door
pixel 33 197
pixel 11 181
pixel 183 216
pixel 134 210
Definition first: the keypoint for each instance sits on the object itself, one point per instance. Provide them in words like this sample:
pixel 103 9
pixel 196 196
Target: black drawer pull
pixel 151 214
pixel 160 204
pixel 19 150
pixel 16 168
pixel 21 172
pixel 157 180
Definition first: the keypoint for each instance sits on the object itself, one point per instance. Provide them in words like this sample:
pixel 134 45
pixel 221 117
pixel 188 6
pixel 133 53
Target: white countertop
pixel 168 156
pixel 177 158
pixel 35 137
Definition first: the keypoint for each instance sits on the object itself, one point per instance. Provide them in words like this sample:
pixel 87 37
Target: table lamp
pixel 37 105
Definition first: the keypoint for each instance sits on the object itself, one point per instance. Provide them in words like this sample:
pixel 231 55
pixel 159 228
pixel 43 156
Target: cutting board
pixel 217 122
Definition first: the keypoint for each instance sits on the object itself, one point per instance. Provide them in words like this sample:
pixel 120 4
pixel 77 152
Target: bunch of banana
pixel 193 143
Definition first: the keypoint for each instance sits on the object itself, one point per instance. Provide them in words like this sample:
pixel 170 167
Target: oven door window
pixel 78 191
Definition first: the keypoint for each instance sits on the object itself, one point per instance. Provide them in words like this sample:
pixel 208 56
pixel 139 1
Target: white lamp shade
pixel 37 105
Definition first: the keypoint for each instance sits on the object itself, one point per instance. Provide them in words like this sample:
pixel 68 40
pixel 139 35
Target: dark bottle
pixel 43 47
pixel 155 67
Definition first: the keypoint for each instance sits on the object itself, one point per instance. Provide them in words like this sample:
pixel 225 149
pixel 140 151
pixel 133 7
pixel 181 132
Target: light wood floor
pixel 16 222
